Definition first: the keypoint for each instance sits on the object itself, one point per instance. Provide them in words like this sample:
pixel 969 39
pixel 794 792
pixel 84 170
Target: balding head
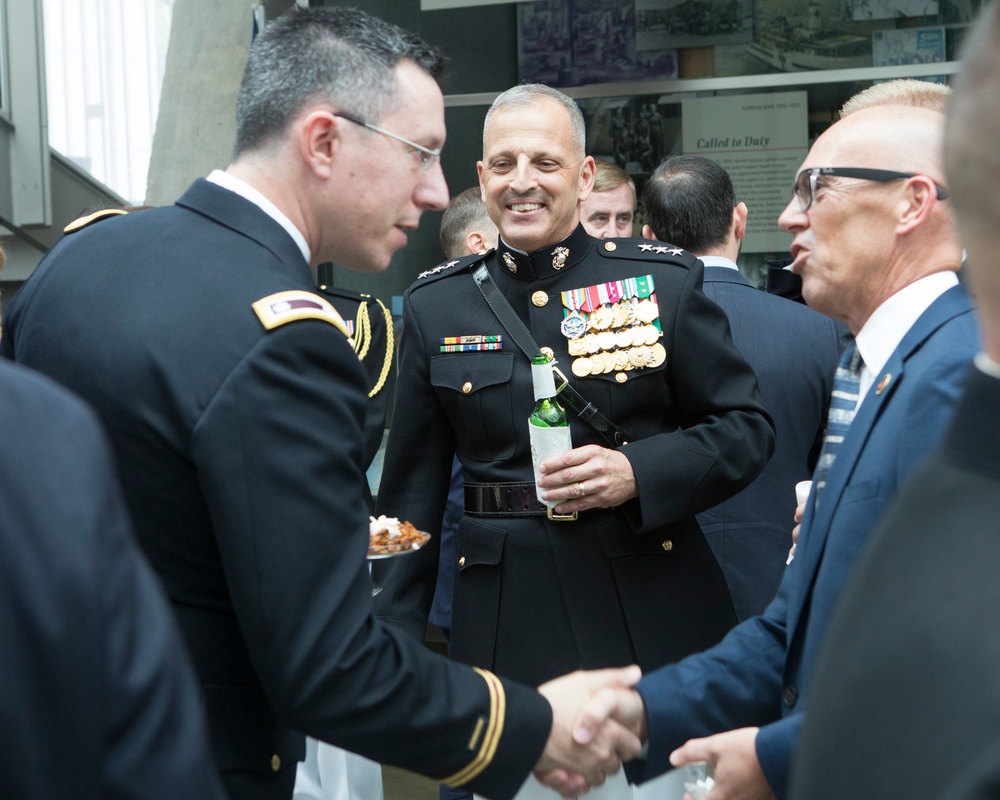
pixel 864 238
pixel 973 167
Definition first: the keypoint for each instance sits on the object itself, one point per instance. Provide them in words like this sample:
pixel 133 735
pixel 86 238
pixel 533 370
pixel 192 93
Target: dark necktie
pixel 843 402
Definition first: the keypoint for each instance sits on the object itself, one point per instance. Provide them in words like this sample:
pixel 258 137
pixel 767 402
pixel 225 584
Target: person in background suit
pixel 97 694
pixel 609 210
pixel 236 407
pixel 907 695
pixel 879 251
pixel 689 201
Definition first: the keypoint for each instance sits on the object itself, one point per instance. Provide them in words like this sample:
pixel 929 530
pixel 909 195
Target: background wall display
pixel 692 23
pixel 573 42
pixel 890 9
pixel 908 46
pixel 634 132
pixel 761 140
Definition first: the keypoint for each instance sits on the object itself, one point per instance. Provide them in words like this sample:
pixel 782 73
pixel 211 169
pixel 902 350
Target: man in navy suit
pixel 878 250
pixel 97 695
pixel 906 701
pixel 689 201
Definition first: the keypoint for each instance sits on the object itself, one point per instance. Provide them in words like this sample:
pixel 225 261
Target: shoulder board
pixel 284 307
pixel 646 250
pixel 452 266
pixel 82 222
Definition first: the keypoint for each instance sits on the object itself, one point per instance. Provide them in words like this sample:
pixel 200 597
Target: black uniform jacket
pixel 98 700
pixel 236 413
pixel 535 598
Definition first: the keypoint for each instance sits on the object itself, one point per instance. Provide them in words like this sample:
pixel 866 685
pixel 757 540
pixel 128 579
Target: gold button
pixel 610 246
pixel 461 562
pixel 548 352
pixel 621 377
pixel 275 762
pixel 539 298
pixel 466 387
pixel 667 545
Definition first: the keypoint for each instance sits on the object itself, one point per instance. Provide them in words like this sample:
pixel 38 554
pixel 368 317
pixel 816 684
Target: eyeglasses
pixel 808 180
pixel 425 154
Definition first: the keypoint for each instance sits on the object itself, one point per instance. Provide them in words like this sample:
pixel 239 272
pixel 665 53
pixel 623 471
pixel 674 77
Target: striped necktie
pixel 843 402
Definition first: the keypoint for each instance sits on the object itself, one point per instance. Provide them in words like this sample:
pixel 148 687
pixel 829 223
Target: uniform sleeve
pixel 293 535
pixel 724 436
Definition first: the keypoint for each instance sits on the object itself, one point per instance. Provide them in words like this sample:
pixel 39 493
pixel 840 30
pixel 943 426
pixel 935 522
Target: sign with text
pixel 760 139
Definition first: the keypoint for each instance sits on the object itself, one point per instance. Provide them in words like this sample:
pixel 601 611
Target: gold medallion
pixel 597 363
pixel 659 355
pixel 639 356
pixel 609 362
pixel 577 347
pixel 539 299
pixel 652 334
pixel 581 367
pixel 602 318
pixel 606 340
pixel 591 341
pixel 647 311
pixel 623 338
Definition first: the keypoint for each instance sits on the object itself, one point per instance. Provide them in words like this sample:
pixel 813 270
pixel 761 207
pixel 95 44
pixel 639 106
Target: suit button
pixel 275 762
pixel 466 387
pixel 789 696
pixel 539 299
pixel 667 545
pixel 461 562
pixel 610 247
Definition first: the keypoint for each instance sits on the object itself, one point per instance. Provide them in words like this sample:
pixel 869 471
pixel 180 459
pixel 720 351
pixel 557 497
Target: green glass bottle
pixel 548 427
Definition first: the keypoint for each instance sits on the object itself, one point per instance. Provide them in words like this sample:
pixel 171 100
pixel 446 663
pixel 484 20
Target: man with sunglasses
pixel 235 403
pixel 876 247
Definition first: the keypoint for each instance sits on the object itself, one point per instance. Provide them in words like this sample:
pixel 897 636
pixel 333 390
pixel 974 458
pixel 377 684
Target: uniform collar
pixel 547 261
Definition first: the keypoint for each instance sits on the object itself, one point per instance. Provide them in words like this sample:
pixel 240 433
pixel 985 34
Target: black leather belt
pixel 508 500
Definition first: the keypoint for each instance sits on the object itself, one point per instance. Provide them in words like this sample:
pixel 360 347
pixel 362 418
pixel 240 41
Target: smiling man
pixel 540 594
pixel 609 210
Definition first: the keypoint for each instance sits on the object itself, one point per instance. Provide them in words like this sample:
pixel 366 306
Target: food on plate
pixel 389 535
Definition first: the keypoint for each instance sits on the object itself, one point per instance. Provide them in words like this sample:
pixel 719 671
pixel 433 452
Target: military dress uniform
pixel 235 404
pixel 627 322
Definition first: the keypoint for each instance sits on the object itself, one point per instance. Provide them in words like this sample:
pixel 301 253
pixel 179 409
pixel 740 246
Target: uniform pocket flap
pixel 469 372
pixel 479 544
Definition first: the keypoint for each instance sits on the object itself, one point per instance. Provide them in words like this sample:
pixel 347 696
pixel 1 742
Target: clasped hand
pixel 598 721
pixel 587 477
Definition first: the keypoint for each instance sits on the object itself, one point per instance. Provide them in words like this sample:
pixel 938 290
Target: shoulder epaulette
pixel 646 250
pixel 284 307
pixel 82 222
pixel 452 266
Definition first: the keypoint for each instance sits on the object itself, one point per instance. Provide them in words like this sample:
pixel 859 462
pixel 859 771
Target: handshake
pixel 598 721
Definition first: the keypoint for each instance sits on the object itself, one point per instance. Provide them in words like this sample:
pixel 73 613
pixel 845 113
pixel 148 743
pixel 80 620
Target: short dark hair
pixel 689 201
pixel 342 55
pixel 465 213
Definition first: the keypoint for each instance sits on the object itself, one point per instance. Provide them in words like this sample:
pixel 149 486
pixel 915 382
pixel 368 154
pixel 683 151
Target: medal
pixel 581 367
pixel 573 326
pixel 659 355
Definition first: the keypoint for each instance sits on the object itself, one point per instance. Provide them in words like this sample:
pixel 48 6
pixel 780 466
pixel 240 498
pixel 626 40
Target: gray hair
pixel 527 93
pixel 341 55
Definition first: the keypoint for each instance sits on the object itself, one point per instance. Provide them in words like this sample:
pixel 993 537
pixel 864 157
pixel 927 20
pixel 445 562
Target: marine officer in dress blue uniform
pixel 620 572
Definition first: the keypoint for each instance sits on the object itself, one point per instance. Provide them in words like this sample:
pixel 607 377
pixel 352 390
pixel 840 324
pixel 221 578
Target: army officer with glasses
pixel 875 244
